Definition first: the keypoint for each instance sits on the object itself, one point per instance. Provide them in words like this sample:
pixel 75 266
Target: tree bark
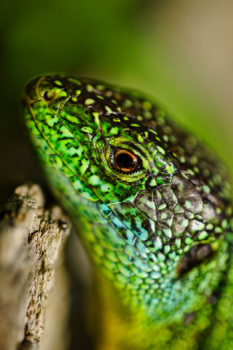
pixel 33 283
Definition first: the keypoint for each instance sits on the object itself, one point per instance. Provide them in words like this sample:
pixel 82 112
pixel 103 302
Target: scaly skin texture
pixel 152 206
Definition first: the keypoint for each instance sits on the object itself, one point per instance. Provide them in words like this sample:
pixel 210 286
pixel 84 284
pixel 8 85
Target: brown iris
pixel 125 161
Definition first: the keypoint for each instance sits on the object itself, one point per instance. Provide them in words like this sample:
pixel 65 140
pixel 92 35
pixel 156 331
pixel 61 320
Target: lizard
pixel 153 208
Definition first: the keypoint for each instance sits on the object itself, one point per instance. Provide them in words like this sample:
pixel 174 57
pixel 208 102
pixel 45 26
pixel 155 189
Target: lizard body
pixel 152 206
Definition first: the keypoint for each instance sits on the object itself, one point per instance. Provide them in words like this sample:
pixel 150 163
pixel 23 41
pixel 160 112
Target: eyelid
pixel 135 147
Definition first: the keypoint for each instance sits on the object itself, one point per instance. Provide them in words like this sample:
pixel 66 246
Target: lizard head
pixel 153 204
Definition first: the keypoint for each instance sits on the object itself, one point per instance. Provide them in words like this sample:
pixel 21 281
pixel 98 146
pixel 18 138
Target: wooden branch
pixel 31 250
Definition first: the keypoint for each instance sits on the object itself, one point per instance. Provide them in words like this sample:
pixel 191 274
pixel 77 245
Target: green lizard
pixel 152 207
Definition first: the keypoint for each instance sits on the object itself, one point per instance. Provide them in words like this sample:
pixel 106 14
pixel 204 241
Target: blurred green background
pixel 180 52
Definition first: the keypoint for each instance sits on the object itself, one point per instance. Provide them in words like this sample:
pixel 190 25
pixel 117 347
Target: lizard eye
pixel 49 95
pixel 125 161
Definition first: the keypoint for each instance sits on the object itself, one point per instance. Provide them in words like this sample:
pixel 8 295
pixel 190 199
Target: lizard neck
pixel 131 275
pixel 119 327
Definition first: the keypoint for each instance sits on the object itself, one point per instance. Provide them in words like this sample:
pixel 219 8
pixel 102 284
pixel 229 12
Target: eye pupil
pixel 48 95
pixel 125 161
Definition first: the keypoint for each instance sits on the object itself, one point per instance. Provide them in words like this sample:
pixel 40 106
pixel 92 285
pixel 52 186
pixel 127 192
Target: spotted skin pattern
pixel 160 235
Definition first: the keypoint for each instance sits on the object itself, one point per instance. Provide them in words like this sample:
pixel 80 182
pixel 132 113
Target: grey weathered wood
pixel 31 244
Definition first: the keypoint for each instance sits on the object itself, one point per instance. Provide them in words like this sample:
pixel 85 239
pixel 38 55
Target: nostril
pixel 194 257
pixel 49 95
